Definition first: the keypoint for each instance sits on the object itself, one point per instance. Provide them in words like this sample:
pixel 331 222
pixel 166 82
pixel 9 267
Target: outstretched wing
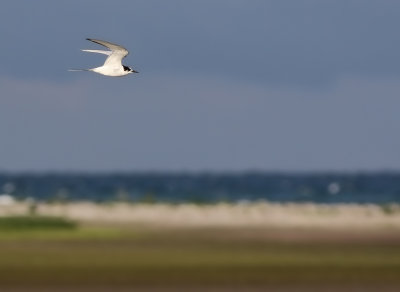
pixel 108 53
pixel 117 52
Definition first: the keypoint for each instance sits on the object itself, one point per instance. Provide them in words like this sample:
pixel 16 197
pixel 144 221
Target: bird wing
pixel 108 53
pixel 117 52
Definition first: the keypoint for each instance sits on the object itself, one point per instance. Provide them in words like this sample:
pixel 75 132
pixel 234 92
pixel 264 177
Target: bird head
pixel 129 69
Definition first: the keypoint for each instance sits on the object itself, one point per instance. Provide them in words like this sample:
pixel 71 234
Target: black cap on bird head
pixel 130 70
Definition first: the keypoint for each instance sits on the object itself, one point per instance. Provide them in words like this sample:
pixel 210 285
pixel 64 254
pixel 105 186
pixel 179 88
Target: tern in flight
pixel 113 65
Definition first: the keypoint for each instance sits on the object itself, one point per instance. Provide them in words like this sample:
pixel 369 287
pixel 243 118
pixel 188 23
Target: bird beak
pixel 133 71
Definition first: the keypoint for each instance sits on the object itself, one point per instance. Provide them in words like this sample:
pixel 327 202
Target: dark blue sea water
pixel 379 188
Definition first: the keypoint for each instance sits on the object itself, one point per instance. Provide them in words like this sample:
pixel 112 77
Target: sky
pixel 224 85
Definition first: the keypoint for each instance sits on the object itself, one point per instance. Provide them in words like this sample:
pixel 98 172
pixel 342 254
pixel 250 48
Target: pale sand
pixel 261 214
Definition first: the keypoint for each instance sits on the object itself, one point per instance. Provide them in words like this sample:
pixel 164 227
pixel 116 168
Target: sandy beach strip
pixel 260 214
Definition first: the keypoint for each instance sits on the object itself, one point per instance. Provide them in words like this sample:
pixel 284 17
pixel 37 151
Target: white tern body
pixel 113 64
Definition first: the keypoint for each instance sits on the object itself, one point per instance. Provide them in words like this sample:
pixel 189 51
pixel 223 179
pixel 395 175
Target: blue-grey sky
pixel 301 85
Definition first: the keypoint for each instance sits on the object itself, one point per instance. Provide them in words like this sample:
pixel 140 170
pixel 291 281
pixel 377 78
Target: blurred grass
pixel 29 223
pixel 142 258
pixel 49 228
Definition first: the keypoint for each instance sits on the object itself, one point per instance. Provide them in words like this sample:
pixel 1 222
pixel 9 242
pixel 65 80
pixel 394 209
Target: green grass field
pixel 126 258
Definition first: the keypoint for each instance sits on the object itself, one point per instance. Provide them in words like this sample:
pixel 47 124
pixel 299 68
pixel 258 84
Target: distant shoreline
pixel 261 214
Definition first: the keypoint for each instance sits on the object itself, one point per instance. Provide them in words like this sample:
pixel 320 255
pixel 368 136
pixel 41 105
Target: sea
pixel 205 188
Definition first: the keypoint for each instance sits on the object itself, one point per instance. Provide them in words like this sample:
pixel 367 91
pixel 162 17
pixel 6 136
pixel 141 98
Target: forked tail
pixel 74 70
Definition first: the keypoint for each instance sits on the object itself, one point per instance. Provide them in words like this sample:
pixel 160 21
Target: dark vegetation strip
pixel 23 223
